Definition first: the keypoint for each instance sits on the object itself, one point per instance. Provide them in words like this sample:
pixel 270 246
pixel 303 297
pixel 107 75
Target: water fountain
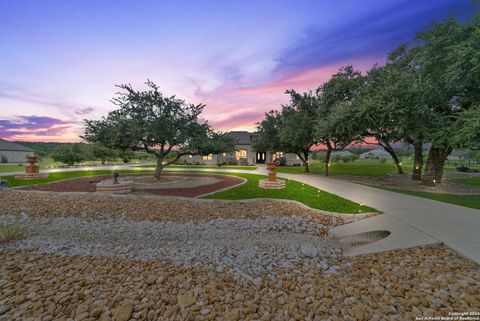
pixel 32 171
pixel 272 182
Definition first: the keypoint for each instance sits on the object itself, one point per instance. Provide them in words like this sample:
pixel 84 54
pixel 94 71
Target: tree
pixel 297 125
pixel 449 68
pixel 103 153
pixel 69 154
pixel 159 125
pixel 126 155
pixel 291 130
pixel 334 98
pixel 466 133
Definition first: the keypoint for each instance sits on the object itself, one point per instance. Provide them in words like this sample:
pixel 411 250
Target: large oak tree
pixel 149 121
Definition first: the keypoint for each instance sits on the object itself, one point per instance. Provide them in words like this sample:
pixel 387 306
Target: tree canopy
pixel 147 120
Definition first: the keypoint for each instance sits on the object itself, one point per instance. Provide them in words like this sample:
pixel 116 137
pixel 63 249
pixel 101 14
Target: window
pixel 190 156
pixel 239 154
pixel 296 157
pixel 207 157
pixel 224 154
pixel 277 155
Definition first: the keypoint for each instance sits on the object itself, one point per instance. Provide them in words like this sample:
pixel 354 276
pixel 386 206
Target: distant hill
pixel 41 147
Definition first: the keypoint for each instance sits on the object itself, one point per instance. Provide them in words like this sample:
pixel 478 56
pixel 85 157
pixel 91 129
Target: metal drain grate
pixel 364 238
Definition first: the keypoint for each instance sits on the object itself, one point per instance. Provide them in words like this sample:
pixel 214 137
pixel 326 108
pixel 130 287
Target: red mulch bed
pixel 87 184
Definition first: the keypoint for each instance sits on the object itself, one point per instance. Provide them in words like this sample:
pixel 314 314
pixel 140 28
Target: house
pixel 244 154
pixel 13 153
pixel 458 154
pixel 376 154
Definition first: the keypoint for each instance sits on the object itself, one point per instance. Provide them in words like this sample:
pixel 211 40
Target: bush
pixel 382 160
pixel 231 161
pixel 11 231
pixel 282 161
pixel 3 159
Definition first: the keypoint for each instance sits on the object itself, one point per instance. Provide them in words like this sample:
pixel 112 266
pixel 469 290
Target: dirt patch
pixel 406 183
pixel 211 184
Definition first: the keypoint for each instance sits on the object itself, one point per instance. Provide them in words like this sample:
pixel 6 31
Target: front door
pixel 261 157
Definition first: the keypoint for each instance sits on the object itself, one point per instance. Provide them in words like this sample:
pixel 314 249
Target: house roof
pixel 242 137
pixel 6 145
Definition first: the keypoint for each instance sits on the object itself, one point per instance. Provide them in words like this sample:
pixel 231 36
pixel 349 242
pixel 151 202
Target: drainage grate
pixel 364 238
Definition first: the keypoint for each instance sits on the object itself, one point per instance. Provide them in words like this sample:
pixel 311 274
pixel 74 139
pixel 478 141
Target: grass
pixel 466 181
pixel 363 167
pixel 472 201
pixel 297 191
pixel 203 166
pixel 294 190
pixel 11 231
pixel 360 167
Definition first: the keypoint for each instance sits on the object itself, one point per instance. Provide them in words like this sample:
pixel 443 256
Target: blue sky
pixel 60 60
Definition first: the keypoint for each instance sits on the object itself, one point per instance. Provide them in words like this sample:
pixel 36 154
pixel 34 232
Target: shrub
pixel 11 231
pixel 3 159
pixel 382 160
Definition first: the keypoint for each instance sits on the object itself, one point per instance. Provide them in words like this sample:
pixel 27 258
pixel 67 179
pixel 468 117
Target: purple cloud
pixel 33 125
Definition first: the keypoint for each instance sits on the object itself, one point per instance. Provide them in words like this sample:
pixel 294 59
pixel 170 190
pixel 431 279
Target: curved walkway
pixel 455 226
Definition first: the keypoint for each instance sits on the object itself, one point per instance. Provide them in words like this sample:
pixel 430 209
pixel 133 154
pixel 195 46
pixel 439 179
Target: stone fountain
pixel 32 171
pixel 272 182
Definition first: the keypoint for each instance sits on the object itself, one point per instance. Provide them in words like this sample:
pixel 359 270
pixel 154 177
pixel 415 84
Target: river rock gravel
pixel 123 258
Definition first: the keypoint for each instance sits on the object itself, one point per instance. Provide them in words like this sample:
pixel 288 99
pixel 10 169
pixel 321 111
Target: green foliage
pixel 70 154
pixel 11 231
pixel 103 153
pixel 466 133
pixel 149 121
pixel 292 130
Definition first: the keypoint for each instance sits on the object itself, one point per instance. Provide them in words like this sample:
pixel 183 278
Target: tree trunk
pixel 103 161
pixel 327 161
pixel 417 161
pixel 434 167
pixel 305 162
pixel 159 168
pixel 394 155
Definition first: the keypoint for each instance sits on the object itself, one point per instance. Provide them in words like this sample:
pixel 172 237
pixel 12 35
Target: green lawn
pixel 363 167
pixel 294 190
pixel 305 194
pixel 472 201
pixel 466 181
pixel 202 166
pixel 4 168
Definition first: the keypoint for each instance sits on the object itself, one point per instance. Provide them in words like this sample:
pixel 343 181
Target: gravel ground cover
pixel 396 285
pixel 152 208
pixel 123 258
pixel 247 247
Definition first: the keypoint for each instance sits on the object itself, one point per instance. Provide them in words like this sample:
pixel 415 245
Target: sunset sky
pixel 60 60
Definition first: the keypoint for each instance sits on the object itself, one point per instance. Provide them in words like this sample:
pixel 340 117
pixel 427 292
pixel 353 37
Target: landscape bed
pixel 87 184
pixel 295 191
